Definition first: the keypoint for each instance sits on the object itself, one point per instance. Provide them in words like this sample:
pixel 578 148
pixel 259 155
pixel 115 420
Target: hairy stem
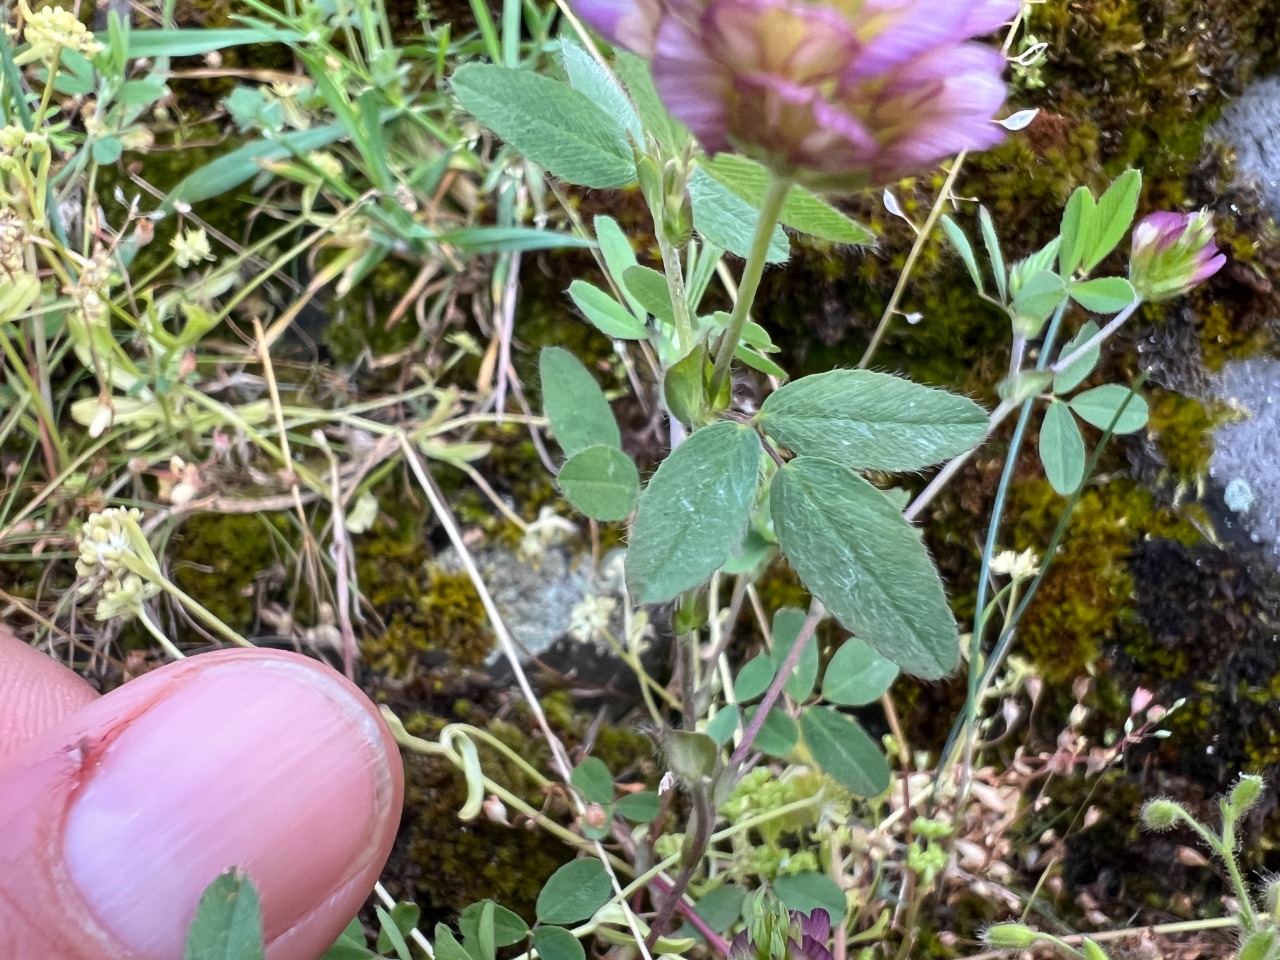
pixel 816 613
pixel 771 209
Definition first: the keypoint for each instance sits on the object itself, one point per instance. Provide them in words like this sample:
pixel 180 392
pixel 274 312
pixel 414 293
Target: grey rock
pixel 1251 126
pixel 1246 459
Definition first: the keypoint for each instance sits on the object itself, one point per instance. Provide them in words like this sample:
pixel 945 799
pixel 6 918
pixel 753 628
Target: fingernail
pixel 274 767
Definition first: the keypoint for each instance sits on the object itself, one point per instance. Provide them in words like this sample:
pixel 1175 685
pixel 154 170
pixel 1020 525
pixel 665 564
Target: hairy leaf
pixel 693 512
pixel 549 122
pixel 869 420
pixel 855 553
pixel 574 403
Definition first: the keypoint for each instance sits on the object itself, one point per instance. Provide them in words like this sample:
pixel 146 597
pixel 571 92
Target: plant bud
pixel 1245 793
pixel 1161 814
pixel 1172 253
pixel 1010 936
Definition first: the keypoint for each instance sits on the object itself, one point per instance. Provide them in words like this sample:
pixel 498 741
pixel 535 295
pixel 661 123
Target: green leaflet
pixel 787 623
pixel 754 677
pixel 1103 295
pixel 1092 229
pixel 992 242
pixel 574 892
pixel 605 313
pixel 1072 376
pixel 557 943
pixel 504 926
pixel 574 403
pixel 778 733
pixel 874 421
pixel 845 751
pixel 868 566
pixel 726 220
pixel 1114 213
pixel 964 248
pixel 1061 449
pixel 588 76
pixel 228 921
pixel 802 211
pixel 693 512
pixel 811 891
pixel 650 290
pixel 857 675
pixel 1037 297
pixel 618 257
pixel 601 481
pixel 1098 407
pixel 593 780
pixel 551 123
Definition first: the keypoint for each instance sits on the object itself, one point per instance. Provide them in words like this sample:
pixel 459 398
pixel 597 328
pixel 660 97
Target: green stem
pixel 1226 849
pixel 679 296
pixel 922 236
pixel 774 197
pixel 155 631
pixel 962 728
pixel 147 572
pixel 43 414
pixel 47 94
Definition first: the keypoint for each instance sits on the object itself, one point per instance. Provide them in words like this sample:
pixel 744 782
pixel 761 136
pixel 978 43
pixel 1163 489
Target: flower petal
pixel 693 86
pixel 630 24
pixel 986 16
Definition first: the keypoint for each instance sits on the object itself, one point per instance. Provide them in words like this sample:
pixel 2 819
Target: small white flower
pixel 589 620
pixel 105 541
pixel 49 30
pixel 547 531
pixel 1019 566
pixel 191 246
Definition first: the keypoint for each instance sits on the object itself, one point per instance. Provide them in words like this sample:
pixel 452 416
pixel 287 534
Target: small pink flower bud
pixel 1172 252
pixel 1140 701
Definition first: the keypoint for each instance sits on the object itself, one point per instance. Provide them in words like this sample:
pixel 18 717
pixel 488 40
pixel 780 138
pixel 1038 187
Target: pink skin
pixel 116 812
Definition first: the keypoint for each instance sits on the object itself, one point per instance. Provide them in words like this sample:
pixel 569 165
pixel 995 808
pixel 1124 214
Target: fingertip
pixel 261 760
pixel 36 692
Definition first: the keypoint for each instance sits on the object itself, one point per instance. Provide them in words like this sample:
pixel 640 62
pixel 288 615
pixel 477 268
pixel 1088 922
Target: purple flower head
pixel 839 95
pixel 1173 252
pixel 778 934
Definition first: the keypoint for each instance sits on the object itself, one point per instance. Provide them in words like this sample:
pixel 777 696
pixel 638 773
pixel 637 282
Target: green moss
pixel 221 558
pixel 1182 428
pixel 1086 601
pixel 433 618
pixel 359 322
pixel 514 469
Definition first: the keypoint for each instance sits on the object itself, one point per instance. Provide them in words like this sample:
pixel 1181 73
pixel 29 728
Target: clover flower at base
pixel 836 97
pixel 778 934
